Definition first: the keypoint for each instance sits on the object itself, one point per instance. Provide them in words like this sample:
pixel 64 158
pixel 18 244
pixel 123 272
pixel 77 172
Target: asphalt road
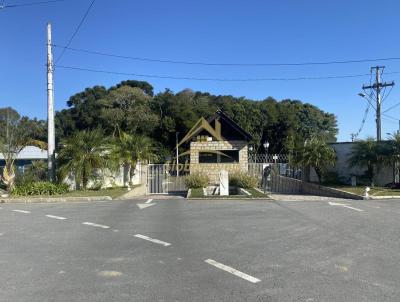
pixel 178 250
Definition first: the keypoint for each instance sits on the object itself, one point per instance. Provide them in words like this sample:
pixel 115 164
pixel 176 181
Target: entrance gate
pixel 163 179
pixel 281 178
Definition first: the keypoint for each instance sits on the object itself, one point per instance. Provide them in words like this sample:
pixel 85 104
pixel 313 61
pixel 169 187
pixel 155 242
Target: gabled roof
pixel 222 116
pixel 215 132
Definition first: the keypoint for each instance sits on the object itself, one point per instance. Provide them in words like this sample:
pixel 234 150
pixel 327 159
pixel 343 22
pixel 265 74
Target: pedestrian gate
pixel 163 179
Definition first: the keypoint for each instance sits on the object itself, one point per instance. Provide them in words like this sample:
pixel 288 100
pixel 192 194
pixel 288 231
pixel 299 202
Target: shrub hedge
pixel 242 180
pixel 197 180
pixel 39 188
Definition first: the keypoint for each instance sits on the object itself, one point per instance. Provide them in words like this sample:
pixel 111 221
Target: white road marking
pixel 232 271
pixel 148 201
pixel 21 211
pixel 373 207
pixel 56 217
pixel 1 234
pixel 145 205
pixel 345 206
pixel 152 239
pixel 96 225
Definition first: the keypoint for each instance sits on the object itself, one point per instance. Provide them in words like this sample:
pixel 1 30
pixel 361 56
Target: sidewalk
pixel 289 197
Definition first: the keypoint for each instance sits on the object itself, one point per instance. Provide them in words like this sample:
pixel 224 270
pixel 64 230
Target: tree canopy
pixel 132 107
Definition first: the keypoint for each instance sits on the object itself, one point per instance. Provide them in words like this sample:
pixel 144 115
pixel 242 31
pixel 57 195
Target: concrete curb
pixel 233 199
pixel 55 199
pixel 384 197
pixel 345 194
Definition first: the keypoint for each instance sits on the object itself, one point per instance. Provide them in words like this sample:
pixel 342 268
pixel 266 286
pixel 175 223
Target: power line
pixel 377 88
pixel 390 121
pixel 354 136
pixel 391 117
pixel 211 79
pixel 29 4
pixel 390 108
pixel 99 53
pixel 76 30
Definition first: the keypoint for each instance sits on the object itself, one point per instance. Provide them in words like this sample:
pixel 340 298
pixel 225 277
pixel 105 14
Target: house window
pixel 219 156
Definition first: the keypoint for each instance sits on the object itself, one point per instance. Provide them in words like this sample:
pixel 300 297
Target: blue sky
pixel 210 31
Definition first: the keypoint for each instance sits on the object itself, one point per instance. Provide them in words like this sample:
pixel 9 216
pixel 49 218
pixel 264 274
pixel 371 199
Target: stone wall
pixel 213 169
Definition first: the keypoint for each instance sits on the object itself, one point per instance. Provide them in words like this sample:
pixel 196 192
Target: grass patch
pixel 375 191
pixel 255 193
pixel 197 193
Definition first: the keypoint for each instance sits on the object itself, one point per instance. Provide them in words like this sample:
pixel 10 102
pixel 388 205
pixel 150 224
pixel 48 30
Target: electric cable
pixel 76 30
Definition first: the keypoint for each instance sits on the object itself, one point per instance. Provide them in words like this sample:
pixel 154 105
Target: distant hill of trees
pixel 132 107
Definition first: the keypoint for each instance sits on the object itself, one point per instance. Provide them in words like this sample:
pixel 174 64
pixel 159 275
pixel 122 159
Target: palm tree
pixel 14 137
pixel 83 155
pixel 367 153
pixel 129 149
pixel 319 155
pixel 390 153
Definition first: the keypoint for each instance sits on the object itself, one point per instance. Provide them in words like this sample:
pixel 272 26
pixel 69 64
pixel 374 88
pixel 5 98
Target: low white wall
pixel 109 179
pixel 343 153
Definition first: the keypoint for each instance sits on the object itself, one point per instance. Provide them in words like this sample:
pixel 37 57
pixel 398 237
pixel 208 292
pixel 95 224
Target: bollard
pixel 366 195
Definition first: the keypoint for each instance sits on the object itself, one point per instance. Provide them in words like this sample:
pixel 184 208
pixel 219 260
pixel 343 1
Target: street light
pixel 266 146
pixel 377 110
pixel 250 155
pixel 363 95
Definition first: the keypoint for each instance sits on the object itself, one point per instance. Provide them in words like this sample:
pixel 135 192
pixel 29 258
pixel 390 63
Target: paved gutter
pixel 54 199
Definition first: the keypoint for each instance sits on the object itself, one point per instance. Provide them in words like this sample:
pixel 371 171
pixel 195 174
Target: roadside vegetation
pixel 197 181
pixel 106 129
pixel 243 180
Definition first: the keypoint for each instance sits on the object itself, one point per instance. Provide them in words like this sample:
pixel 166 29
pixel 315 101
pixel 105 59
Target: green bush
pixel 196 180
pixel 242 180
pixel 39 188
pixel 332 178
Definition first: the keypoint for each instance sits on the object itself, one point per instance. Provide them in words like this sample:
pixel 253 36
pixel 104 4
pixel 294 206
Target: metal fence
pixel 272 178
pixel 276 177
pixel 268 158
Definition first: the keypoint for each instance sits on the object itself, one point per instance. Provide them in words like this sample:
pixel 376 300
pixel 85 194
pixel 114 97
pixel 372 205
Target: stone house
pixel 217 144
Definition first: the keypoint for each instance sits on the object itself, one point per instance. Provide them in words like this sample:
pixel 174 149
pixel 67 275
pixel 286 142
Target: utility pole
pixel 50 108
pixel 377 87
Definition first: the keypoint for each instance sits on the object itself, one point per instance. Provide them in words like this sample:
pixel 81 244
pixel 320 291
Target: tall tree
pixel 128 109
pixel 367 153
pixel 319 155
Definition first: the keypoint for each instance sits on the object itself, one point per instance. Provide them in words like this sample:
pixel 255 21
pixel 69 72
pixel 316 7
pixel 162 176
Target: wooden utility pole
pixel 50 108
pixel 377 86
